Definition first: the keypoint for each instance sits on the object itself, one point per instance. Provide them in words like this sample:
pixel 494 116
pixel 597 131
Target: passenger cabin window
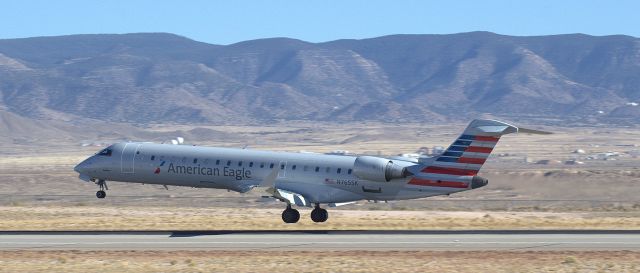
pixel 339 170
pixel 218 162
pixel 317 169
pixel 250 164
pixel 261 165
pixel 105 152
pixel 239 163
pixel 349 171
pixel 153 157
pixel 195 160
pixel 282 166
pixel 228 162
pixel 293 167
pixel 271 166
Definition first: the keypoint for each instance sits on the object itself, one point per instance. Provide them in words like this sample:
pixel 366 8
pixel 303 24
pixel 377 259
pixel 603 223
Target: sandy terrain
pixel 310 261
pixel 188 218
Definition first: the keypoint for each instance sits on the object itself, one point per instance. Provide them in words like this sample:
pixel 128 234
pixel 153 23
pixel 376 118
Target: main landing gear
pixel 290 215
pixel 319 215
pixel 103 186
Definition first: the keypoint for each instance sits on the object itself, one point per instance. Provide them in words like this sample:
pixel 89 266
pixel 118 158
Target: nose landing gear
pixel 103 186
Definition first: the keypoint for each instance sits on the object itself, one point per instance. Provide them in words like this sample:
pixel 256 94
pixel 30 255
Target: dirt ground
pixel 188 218
pixel 310 261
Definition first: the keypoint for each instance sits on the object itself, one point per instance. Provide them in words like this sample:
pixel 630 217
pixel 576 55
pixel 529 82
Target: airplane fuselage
pixel 319 178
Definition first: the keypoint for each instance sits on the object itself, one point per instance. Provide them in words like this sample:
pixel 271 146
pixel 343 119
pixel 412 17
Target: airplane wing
pixel 270 180
pixel 299 200
pixel 285 196
pixel 288 196
pixel 291 197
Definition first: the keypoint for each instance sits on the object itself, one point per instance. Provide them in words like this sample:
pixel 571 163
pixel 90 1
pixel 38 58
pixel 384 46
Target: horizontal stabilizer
pixel 531 131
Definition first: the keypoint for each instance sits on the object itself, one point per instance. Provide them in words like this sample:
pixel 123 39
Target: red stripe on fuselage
pixel 476 149
pixel 471 160
pixel 438 183
pixel 452 171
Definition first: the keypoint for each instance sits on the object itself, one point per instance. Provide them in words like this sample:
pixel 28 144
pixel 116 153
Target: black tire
pixel 290 216
pixel 319 215
pixel 101 194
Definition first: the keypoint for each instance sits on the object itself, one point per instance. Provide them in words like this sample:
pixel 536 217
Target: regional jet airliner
pixel 301 179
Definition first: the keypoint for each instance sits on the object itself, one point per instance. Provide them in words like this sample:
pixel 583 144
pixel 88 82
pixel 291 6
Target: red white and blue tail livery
pixel 458 166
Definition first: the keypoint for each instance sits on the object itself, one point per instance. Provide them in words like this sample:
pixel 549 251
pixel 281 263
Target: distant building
pixel 339 152
pixel 573 162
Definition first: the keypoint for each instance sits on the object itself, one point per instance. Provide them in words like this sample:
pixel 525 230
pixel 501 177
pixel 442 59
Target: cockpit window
pixel 105 152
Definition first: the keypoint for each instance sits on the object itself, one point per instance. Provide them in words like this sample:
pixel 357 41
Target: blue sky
pixel 225 22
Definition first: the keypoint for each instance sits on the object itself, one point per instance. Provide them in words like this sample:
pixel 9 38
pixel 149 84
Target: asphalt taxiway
pixel 513 240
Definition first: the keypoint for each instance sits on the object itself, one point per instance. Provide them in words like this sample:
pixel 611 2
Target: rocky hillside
pixel 164 78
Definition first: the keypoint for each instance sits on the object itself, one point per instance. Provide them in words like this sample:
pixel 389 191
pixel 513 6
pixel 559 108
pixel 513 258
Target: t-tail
pixel 459 165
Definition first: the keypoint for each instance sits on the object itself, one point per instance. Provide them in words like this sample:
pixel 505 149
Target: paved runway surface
pixel 323 240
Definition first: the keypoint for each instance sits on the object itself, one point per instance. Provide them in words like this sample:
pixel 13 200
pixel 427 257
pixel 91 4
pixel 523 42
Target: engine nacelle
pixel 378 169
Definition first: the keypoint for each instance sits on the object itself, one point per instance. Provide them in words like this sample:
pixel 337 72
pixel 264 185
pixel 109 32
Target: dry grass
pixel 310 261
pixel 187 218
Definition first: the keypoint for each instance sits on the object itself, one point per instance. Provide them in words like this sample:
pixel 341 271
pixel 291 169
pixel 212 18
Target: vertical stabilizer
pixel 459 164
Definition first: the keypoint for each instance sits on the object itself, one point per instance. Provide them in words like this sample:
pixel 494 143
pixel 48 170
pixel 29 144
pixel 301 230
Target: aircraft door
pixel 283 169
pixel 128 157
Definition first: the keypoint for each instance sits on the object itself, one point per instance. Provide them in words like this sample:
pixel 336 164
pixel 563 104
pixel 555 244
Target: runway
pixel 324 240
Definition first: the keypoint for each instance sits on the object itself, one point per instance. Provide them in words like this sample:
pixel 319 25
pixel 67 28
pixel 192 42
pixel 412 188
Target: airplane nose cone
pixel 81 168
pixel 78 168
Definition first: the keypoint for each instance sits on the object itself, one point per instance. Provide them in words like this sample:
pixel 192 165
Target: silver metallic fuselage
pixel 319 178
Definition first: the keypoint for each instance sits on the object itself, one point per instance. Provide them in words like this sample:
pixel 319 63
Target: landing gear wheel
pixel 101 194
pixel 103 186
pixel 290 215
pixel 319 215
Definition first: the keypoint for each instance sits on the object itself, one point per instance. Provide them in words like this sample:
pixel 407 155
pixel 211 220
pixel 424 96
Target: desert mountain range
pixel 150 78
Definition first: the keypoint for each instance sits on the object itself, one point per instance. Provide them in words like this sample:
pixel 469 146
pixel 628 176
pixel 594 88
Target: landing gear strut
pixel 103 186
pixel 319 215
pixel 290 215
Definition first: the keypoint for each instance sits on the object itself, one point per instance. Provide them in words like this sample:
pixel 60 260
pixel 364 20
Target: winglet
pixel 269 180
